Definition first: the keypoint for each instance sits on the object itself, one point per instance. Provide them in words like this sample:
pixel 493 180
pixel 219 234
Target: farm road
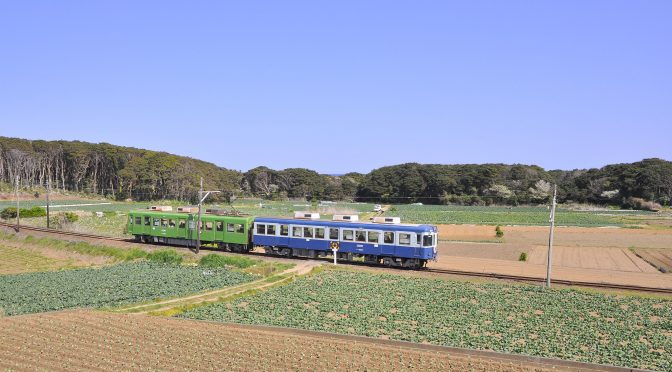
pixel 302 268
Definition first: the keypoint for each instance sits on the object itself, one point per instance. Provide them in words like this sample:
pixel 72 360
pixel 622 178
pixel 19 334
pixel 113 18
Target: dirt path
pixel 89 340
pixel 302 268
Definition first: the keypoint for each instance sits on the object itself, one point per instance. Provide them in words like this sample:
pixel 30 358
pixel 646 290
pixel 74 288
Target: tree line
pixel 124 172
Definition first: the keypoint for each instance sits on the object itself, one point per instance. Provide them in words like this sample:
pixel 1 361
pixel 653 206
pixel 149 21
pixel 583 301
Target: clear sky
pixel 341 86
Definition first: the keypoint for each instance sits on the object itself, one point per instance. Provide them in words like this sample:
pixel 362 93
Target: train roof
pixel 185 215
pixel 353 225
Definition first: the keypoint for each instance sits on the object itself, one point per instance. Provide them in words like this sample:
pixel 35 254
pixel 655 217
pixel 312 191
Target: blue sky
pixel 341 86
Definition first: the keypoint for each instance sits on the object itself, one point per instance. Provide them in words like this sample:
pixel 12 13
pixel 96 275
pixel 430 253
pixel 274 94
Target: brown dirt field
pixel 575 247
pixel 619 259
pixel 486 265
pixel 660 258
pixel 564 236
pixel 87 340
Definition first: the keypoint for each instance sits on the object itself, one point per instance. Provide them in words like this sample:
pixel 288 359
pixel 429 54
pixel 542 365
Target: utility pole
pixel 201 198
pixel 48 187
pixel 550 239
pixel 18 211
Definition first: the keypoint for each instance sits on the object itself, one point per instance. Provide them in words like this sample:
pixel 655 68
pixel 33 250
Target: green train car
pixel 232 233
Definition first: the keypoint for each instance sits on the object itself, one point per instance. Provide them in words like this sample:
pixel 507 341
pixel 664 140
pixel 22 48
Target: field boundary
pixel 218 294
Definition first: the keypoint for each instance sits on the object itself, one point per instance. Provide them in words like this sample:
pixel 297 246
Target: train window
pixel 418 239
pixel 404 239
pixel 333 233
pixel 138 220
pixel 388 237
pixel 319 233
pixel 308 232
pixel 164 222
pixel 229 227
pixel 427 240
pixel 240 228
pixel 220 226
pixel 270 229
pixel 171 222
pixel 157 222
pixel 208 225
pixel 296 231
pixel 284 230
pixel 182 224
pixel 147 221
pixel 373 236
pixel 361 236
pixel 261 229
pixel 348 235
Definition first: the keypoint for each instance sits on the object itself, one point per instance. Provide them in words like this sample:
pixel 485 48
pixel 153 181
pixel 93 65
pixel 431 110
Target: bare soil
pixel 590 248
pixel 661 259
pixel 564 236
pixel 87 340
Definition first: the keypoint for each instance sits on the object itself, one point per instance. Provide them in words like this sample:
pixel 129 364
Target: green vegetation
pixel 498 184
pixel 522 257
pixel 165 256
pixel 119 173
pixel 499 233
pixel 10 212
pixel 482 215
pixel 14 260
pixel 108 286
pixel 569 324
pixel 117 254
pixel 215 260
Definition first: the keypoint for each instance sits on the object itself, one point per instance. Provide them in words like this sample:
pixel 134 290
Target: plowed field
pixel 84 340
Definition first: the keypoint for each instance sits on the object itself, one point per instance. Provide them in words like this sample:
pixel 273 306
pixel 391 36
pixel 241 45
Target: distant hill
pixel 126 172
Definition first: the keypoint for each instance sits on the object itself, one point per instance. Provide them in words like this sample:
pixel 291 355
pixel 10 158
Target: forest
pixel 128 173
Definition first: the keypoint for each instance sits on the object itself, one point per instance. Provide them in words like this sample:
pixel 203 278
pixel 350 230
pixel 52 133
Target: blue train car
pixel 399 245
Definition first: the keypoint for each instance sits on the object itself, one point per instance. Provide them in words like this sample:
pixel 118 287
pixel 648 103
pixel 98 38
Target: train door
pixel 208 230
pixel 218 230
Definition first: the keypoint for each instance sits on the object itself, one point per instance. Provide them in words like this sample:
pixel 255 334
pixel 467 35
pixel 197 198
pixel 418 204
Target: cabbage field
pixel 108 286
pixel 493 215
pixel 568 324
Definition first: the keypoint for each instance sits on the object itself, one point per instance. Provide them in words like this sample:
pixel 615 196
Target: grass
pixel 215 260
pixel 498 215
pixel 116 254
pixel 21 260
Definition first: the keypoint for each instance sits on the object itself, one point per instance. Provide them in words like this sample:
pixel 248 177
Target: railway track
pixel 60 232
pixel 667 291
pixel 553 281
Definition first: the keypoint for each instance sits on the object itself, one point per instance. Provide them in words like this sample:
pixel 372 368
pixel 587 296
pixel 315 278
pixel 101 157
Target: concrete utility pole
pixel 18 211
pixel 48 187
pixel 201 198
pixel 550 239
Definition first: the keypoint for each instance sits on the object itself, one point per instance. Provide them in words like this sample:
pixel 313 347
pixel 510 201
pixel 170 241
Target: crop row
pixel 567 324
pixel 501 216
pixel 108 286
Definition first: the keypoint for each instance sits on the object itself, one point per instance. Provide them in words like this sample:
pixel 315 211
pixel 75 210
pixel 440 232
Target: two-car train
pixel 384 241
